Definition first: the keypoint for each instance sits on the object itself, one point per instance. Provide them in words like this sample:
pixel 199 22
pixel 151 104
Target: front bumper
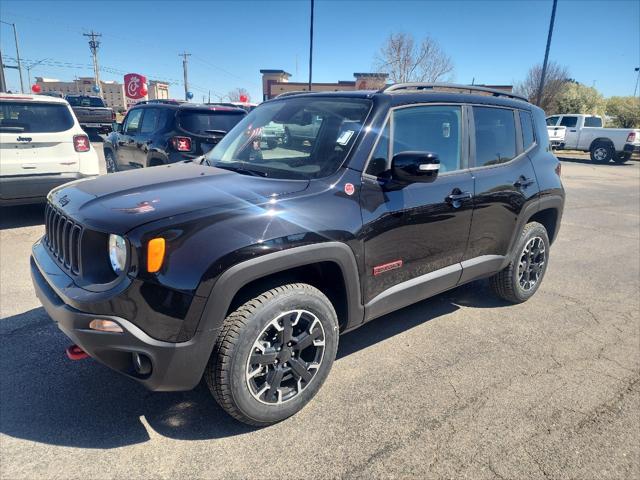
pixel 27 189
pixel 175 366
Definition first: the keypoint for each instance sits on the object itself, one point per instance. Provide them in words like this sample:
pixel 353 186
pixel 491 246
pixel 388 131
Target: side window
pixel 380 161
pixel 132 122
pixel 592 122
pixel 435 129
pixel 569 122
pixel 551 121
pixel 150 120
pixel 495 135
pixel 526 124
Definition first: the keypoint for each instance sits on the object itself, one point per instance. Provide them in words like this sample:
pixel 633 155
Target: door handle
pixel 523 182
pixel 573 130
pixel 456 197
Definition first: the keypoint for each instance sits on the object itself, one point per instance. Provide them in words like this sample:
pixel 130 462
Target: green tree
pixel 625 111
pixel 578 98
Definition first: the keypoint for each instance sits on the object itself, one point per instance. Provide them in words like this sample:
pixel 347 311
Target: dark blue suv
pixel 167 131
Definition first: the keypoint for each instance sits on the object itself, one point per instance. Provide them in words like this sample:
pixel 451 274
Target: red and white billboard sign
pixel 135 88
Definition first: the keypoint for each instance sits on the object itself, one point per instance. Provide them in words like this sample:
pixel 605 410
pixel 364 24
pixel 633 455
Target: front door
pixel 127 140
pixel 417 233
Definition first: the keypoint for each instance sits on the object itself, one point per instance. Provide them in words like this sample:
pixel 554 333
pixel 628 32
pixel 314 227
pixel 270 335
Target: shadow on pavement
pixel 49 399
pixel 21 216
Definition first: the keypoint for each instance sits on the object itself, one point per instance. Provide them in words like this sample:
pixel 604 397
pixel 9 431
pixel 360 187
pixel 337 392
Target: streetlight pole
pixel 15 37
pixel 311 46
pixel 29 67
pixel 546 53
pixel 637 69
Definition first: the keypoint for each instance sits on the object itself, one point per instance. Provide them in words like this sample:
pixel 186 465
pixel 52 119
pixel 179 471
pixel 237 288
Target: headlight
pixel 117 253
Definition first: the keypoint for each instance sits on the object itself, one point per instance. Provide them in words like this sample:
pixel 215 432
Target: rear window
pixel 592 122
pixel 85 101
pixel 205 122
pixel 22 117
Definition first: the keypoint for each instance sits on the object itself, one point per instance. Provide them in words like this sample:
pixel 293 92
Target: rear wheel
pixel 602 152
pixel 622 157
pixel 110 161
pixel 522 277
pixel 273 354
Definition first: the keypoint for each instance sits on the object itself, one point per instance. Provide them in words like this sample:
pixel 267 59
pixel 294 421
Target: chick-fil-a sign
pixel 135 87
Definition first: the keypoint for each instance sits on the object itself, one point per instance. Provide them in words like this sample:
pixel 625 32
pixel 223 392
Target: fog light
pixel 105 326
pixel 141 364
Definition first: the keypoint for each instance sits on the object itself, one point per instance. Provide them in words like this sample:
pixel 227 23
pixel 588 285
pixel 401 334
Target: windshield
pixel 204 122
pixel 293 138
pixel 23 117
pixel 79 101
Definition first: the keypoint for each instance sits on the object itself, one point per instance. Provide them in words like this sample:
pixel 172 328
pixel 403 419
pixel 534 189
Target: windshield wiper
pixel 242 170
pixel 216 132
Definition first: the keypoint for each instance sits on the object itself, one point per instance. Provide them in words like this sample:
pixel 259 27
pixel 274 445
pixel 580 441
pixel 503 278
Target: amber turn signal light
pixel 155 254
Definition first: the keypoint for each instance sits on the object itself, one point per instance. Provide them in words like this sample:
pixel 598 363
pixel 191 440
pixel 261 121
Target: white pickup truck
pixel 586 133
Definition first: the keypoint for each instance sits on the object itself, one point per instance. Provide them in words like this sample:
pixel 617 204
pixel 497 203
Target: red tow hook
pixel 74 352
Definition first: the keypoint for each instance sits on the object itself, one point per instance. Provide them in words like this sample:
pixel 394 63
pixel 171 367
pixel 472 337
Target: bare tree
pixel 405 61
pixel 555 80
pixel 235 94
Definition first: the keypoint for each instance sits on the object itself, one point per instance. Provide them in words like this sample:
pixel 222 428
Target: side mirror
pixel 412 167
pixel 117 127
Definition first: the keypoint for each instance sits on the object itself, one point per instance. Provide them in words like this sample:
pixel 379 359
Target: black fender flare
pixel 239 275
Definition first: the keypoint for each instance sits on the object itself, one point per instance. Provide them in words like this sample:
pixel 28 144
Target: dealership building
pixel 112 91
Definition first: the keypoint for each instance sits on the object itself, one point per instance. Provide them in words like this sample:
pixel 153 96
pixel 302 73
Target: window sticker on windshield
pixel 344 137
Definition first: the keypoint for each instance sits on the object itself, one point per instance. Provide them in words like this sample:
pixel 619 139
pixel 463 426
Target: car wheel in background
pixel 110 161
pixel 602 152
pixel 622 157
pixel 273 354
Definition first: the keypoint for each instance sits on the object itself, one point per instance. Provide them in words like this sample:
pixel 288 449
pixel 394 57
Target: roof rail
pixel 166 101
pixel 295 92
pixel 449 86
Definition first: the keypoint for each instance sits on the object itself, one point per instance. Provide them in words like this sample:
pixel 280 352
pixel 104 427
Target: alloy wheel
pixel 532 262
pixel 285 357
pixel 600 154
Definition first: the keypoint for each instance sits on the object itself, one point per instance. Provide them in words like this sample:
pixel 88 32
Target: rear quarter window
pixel 23 117
pixel 202 122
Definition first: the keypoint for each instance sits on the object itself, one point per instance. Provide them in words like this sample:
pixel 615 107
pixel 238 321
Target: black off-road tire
pixel 110 161
pixel 506 283
pixel 602 152
pixel 226 374
pixel 622 157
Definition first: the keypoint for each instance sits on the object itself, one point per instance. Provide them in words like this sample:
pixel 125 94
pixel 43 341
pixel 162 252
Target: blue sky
pixel 494 42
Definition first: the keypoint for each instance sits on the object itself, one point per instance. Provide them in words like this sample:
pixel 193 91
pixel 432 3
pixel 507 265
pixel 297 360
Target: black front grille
pixel 63 237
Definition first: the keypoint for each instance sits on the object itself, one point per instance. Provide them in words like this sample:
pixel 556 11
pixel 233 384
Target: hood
pixel 118 202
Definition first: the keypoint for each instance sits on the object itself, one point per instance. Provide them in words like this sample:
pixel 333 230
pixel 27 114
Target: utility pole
pixel 3 83
pixel 185 60
pixel 15 37
pixel 209 96
pixel 94 45
pixel 637 69
pixel 311 46
pixel 546 53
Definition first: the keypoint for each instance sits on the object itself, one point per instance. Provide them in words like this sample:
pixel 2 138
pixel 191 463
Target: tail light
pixel 81 143
pixel 181 144
pixel 632 137
pixel 113 116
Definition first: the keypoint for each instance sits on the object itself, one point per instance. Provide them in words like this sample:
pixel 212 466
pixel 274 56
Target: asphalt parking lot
pixel 458 386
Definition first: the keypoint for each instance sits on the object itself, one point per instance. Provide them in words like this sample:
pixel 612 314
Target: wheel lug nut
pixel 284 364
pixel 289 344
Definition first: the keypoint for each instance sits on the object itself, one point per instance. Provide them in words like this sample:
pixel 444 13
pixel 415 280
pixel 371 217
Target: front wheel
pixel 273 354
pixel 522 277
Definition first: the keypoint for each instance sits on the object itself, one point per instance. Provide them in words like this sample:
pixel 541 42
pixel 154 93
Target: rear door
pixel 572 134
pixel 504 182
pixel 207 126
pixel 36 138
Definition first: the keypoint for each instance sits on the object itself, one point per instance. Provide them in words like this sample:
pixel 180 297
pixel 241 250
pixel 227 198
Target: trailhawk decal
pixel 386 267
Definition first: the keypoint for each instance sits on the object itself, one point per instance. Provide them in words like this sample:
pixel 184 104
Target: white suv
pixel 41 146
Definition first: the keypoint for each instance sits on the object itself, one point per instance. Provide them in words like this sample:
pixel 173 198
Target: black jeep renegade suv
pixel 243 267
